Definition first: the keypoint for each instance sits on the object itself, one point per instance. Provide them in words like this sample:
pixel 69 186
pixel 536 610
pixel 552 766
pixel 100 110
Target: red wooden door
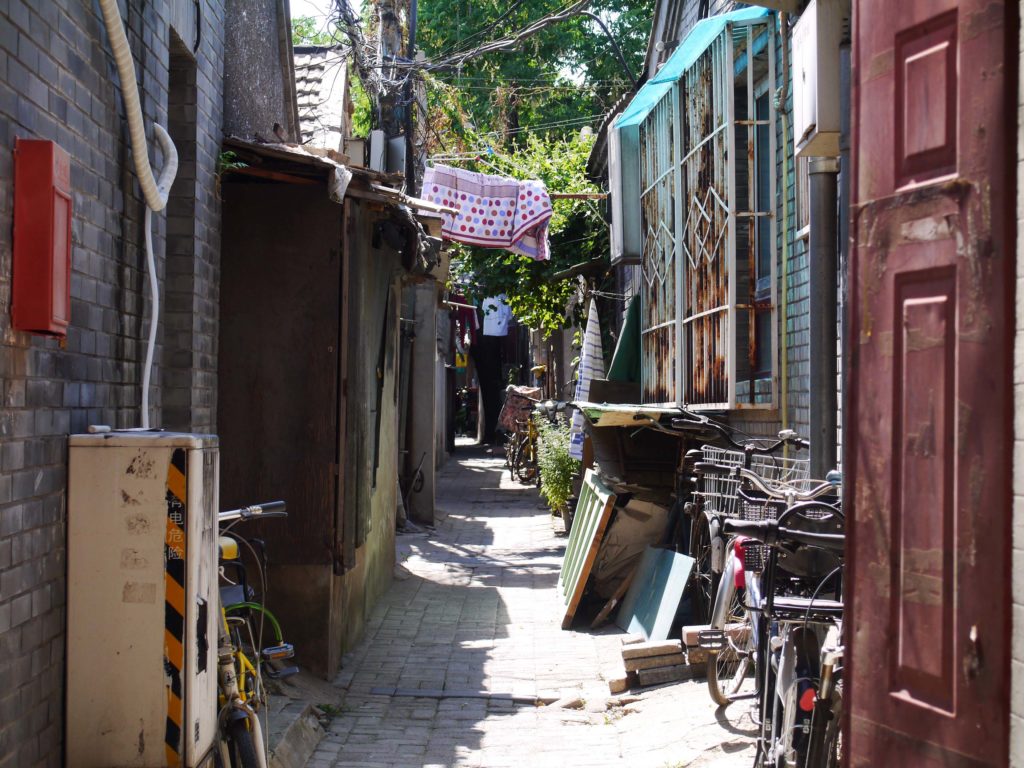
pixel 929 451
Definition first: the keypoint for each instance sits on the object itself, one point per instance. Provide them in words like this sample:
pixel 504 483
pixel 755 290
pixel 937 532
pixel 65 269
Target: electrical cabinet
pixel 142 600
pixel 41 290
pixel 816 39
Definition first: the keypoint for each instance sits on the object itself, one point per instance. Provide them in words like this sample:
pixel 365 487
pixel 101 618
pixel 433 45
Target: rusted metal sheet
pixel 928 457
pixel 694 146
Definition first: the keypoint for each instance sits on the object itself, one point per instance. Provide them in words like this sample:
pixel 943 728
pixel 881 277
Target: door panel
pixel 930 444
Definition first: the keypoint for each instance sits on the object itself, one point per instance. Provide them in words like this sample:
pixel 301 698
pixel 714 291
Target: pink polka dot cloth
pixel 493 211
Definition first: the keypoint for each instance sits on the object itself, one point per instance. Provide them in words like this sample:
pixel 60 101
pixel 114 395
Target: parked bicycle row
pixel 762 542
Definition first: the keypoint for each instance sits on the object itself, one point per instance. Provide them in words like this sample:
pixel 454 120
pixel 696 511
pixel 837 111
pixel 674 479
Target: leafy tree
pixel 565 76
pixel 521 112
pixel 308 30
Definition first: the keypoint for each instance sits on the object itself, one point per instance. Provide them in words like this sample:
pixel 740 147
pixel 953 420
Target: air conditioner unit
pixel 624 192
pixel 378 150
pixel 816 93
pixel 142 604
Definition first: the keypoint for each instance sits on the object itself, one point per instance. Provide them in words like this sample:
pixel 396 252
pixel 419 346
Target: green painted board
pixel 592 514
pixel 654 595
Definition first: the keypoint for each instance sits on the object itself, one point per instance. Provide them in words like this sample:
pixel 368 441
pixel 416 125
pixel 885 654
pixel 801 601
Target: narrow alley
pixel 464 663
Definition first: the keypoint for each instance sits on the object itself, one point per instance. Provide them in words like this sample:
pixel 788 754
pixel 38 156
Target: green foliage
pixel 557 467
pixel 362 112
pixel 522 111
pixel 577 233
pixel 307 30
pixel 566 74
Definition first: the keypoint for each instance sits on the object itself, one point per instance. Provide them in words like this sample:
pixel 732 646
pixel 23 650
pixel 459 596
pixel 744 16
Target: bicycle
pixel 797 631
pixel 242 659
pixel 713 495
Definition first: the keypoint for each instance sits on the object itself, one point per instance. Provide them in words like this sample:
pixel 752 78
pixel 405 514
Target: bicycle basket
pixel 718 487
pixel 755 507
pixel 518 406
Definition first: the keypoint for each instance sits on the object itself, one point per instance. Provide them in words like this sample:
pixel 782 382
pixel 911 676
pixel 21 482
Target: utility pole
pixel 411 102
pixel 389 18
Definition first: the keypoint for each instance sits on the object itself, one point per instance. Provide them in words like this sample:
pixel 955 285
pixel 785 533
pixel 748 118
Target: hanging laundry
pixel 591 367
pixel 496 315
pixel 493 211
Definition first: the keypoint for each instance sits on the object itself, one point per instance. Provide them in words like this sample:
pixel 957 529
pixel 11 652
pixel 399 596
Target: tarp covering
pixel 625 364
pixel 701 36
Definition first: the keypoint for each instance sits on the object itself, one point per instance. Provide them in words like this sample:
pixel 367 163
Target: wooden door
pixel 928 473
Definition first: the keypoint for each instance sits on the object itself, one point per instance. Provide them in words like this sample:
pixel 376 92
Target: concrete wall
pixel 58 82
pixel 258 90
pixel 370 492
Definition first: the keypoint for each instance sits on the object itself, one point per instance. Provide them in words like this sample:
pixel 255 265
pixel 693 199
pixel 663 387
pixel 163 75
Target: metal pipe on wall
pixel 823 259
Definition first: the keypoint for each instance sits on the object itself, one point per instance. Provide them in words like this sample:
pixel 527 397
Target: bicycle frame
pixel 232 667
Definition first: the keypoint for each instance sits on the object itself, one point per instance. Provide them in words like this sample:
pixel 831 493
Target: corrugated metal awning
pixel 701 36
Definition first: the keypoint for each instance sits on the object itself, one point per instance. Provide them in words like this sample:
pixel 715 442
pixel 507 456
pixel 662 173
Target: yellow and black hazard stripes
pixel 174 604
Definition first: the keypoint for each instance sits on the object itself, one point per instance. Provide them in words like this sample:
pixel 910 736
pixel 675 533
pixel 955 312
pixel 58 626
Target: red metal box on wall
pixel 41 300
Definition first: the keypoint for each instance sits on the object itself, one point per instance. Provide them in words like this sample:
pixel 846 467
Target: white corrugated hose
pixel 154 190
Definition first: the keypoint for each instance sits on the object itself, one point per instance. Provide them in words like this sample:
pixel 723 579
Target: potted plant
pixel 557 468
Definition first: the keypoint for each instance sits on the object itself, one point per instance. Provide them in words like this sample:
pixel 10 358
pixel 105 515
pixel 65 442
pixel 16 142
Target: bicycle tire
pixel 705 580
pixel 510 451
pixel 526 470
pixel 242 749
pixel 729 670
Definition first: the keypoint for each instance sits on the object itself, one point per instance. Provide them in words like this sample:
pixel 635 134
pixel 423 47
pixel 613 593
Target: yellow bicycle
pixel 242 659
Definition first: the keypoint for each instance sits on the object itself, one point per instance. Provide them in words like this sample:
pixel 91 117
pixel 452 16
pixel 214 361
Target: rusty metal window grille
pixel 708 180
pixel 658 203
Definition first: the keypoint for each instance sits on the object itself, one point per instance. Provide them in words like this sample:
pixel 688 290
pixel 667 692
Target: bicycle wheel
pixel 242 748
pixel 705 581
pixel 526 467
pixel 731 671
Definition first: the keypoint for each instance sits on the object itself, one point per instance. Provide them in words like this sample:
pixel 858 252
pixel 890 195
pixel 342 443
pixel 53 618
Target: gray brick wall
pixel 58 82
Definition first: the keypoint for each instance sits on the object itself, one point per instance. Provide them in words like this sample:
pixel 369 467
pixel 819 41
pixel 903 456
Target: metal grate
pixel 718 489
pixel 704 219
pixel 658 183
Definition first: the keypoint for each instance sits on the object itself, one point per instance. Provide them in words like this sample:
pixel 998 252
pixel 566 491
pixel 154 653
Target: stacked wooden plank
pixel 653 662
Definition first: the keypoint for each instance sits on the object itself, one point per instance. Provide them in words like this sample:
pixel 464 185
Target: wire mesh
pixel 718 484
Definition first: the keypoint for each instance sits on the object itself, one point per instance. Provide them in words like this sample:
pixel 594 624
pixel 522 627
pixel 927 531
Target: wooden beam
pixel 263 173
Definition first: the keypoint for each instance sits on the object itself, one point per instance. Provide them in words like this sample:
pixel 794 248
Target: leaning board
pixel 592 514
pixel 655 593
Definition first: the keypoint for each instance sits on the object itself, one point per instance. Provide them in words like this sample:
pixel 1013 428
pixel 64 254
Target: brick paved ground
pixel 471 625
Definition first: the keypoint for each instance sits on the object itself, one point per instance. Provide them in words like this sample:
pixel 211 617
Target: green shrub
pixel 557 467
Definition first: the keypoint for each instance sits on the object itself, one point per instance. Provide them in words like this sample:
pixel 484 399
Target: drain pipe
pixel 154 190
pixel 781 96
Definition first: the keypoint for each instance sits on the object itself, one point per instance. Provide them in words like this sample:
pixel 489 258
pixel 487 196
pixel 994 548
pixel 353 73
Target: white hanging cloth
pixel 591 367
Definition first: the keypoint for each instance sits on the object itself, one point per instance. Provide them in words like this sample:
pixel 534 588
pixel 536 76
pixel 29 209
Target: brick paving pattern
pixel 468 638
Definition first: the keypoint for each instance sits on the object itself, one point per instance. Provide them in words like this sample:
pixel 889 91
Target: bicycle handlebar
pixel 254 511
pixel 784 491
pixel 786 436
pixel 770 533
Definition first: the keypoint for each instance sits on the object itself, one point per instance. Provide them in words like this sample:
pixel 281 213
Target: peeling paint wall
pixel 1017 650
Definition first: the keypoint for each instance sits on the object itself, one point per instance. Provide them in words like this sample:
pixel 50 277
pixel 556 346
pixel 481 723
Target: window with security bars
pixel 708 180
